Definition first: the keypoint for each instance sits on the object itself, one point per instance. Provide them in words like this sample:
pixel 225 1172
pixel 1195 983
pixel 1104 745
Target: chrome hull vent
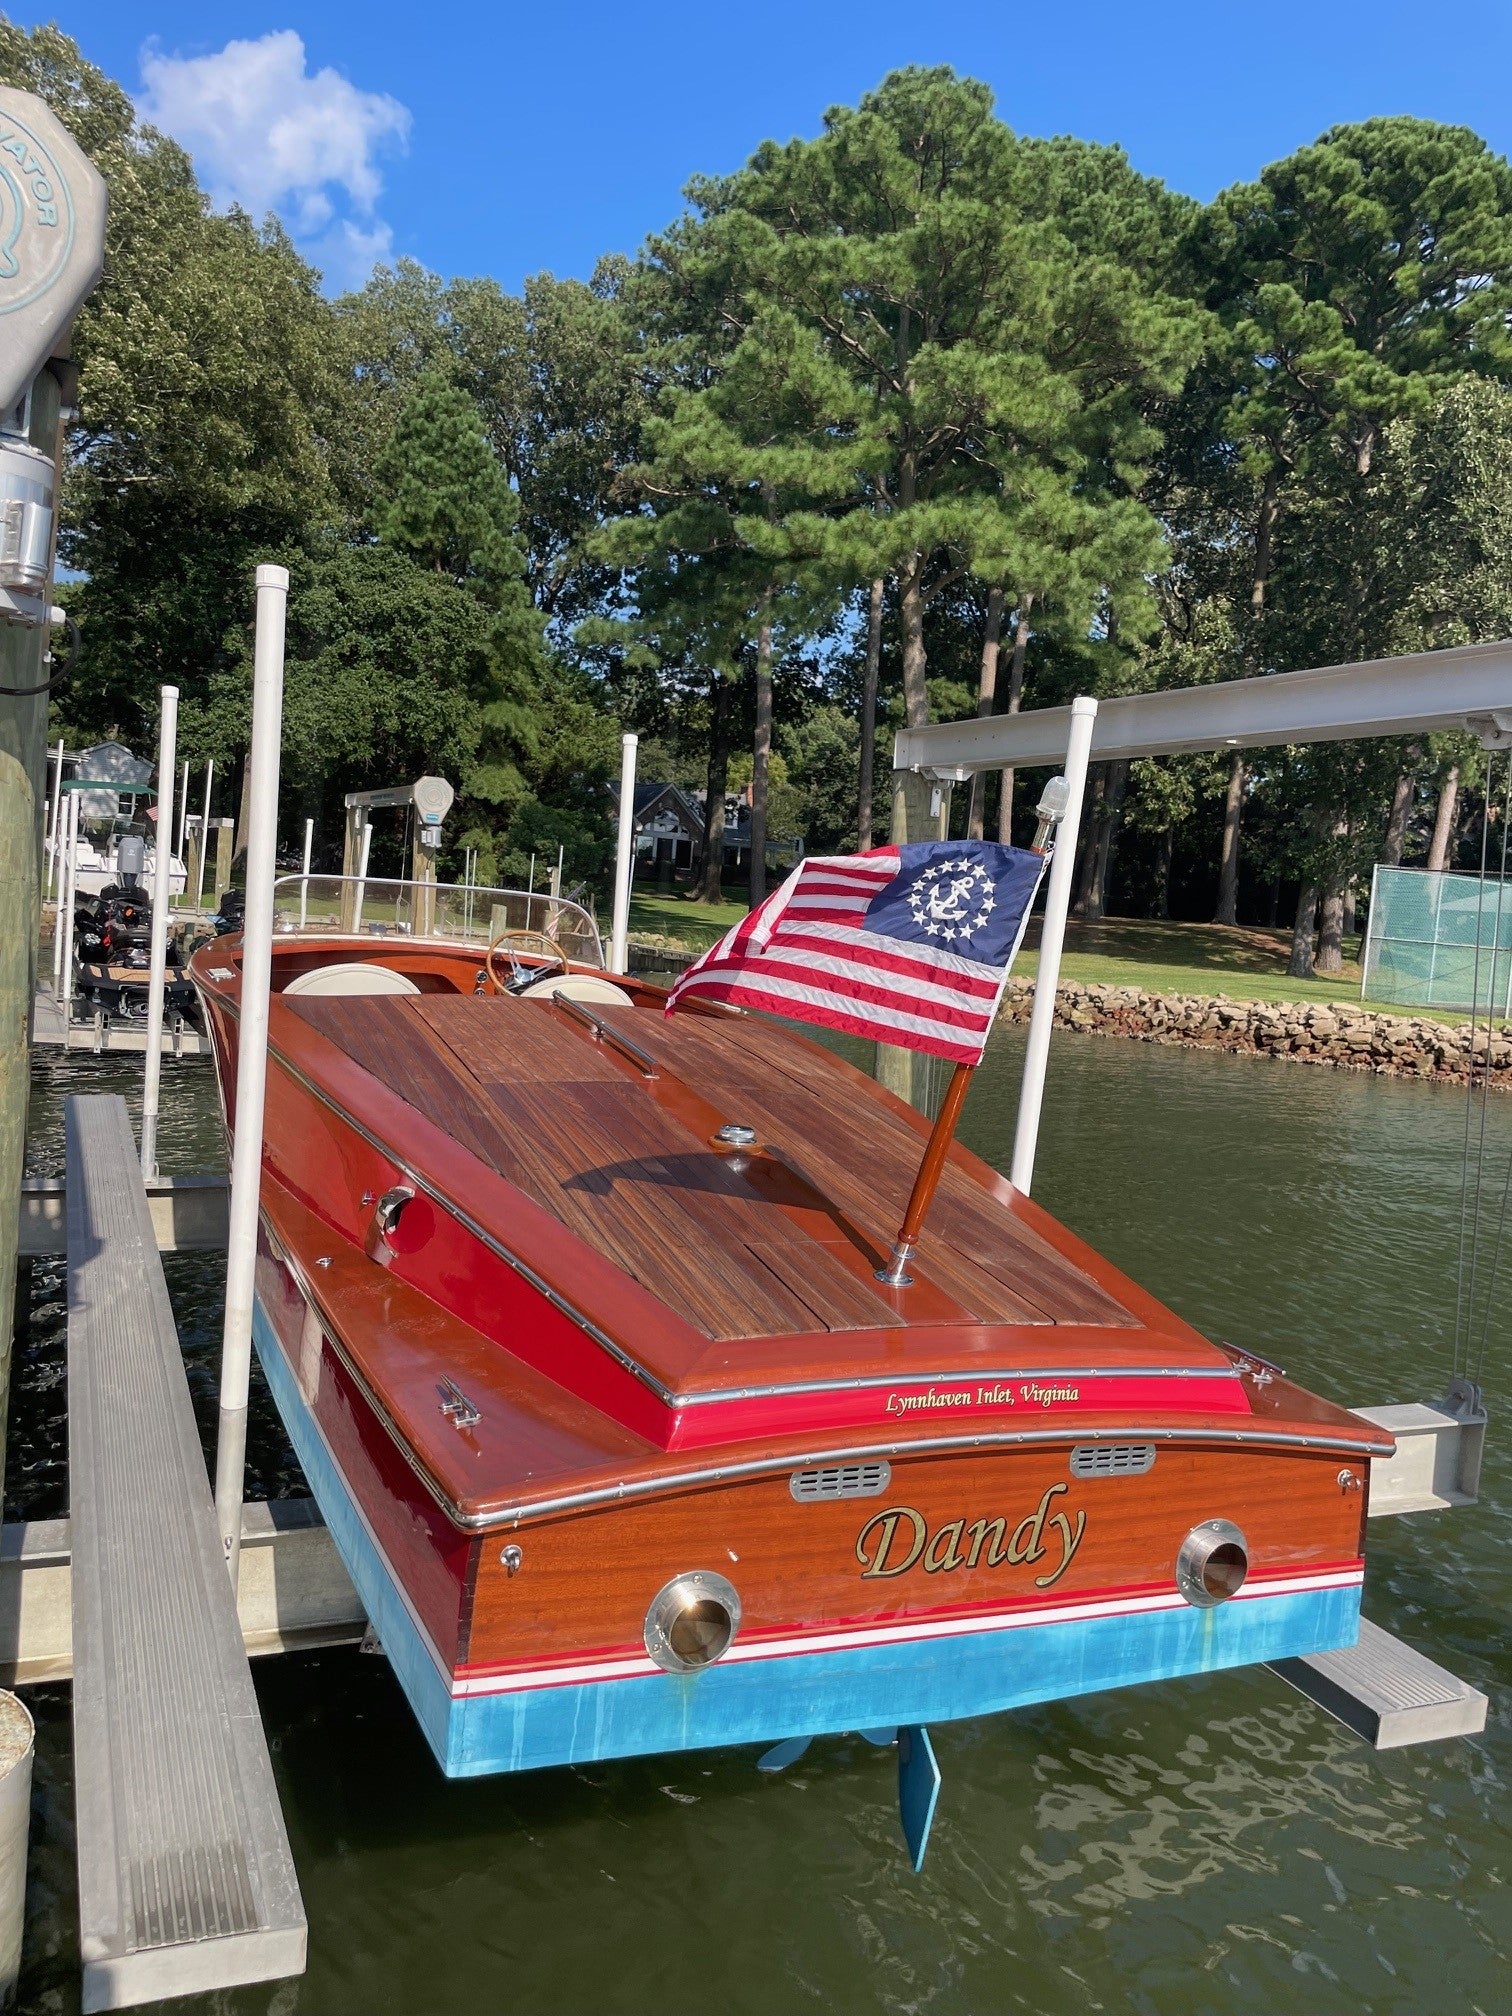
pixel 1112 1459
pixel 841 1480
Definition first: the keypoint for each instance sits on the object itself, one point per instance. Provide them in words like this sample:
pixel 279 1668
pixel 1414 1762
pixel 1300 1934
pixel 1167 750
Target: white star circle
pixel 946 913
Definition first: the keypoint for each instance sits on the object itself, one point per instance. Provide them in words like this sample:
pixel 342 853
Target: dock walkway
pixel 186 1883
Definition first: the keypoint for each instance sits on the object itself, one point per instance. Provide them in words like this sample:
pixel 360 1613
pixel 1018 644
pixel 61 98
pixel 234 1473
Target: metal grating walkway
pixel 186 1883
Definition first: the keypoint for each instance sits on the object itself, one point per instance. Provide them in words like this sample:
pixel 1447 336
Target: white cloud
pixel 267 134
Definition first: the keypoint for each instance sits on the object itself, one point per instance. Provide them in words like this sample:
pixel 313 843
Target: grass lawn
pixel 680 920
pixel 1247 963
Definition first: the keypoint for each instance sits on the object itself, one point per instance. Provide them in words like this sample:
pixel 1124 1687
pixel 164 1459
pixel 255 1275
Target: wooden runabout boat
pixel 573 1312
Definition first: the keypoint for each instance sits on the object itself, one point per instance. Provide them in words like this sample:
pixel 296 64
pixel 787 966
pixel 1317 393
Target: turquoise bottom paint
pixel 766 1700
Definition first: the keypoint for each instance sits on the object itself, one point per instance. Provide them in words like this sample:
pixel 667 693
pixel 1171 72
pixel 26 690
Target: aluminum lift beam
pixel 186 1883
pixel 1470 685
pixel 1387 1692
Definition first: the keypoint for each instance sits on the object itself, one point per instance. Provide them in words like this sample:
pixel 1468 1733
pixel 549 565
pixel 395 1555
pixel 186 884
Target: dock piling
pixel 17 1746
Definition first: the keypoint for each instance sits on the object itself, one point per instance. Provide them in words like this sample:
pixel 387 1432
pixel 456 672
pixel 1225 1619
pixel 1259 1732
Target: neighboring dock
pixel 53 1029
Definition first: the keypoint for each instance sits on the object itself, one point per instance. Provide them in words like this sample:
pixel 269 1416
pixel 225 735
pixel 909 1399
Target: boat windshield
pixel 452 913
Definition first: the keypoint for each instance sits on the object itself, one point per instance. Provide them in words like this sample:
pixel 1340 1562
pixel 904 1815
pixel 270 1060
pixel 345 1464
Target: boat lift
pixel 1381 1688
pixel 229 1932
pixel 431 798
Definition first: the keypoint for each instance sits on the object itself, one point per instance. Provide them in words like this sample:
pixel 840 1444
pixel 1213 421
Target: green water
pixel 1215 1845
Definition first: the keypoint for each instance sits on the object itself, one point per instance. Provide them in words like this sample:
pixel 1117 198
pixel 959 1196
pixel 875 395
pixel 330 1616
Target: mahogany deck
pixel 535 1444
pixel 620 1161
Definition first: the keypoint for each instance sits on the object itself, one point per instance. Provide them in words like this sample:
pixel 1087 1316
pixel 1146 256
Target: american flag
pixel 910 945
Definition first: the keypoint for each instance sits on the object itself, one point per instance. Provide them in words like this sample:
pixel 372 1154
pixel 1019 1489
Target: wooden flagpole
pixel 895 1274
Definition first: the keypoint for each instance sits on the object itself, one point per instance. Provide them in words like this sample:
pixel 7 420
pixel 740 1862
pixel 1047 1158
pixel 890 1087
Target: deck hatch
pixel 1112 1459
pixel 841 1480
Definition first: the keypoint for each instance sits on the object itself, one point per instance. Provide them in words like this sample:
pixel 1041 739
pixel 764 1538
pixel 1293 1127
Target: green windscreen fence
pixel 1439 941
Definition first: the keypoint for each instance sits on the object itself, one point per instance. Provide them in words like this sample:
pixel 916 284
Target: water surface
pixel 1212 1847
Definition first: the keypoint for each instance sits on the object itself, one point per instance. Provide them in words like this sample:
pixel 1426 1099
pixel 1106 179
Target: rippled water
pixel 1213 1845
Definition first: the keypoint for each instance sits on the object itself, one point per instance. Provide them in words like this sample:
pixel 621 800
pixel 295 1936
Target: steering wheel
pixel 520 977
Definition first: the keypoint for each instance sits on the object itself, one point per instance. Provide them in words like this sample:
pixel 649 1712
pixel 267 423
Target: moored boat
pixel 577 1316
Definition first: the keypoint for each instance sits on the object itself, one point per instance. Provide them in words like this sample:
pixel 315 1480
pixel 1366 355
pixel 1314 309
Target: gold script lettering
pixel 1070 1541
pixel 886 1525
pixel 979 1529
pixel 934 1560
pixel 1028 1542
pixel 892 1542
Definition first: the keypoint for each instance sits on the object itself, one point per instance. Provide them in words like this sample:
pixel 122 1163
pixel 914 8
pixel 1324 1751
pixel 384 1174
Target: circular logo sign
pixel 36 215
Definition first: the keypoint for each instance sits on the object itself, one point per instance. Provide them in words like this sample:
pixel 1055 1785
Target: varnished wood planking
pixel 481 1045
pixel 512 1132
pixel 865 1156
pixel 550 1111
pixel 586 1581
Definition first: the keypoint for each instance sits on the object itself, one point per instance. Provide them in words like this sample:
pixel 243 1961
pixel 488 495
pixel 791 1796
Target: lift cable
pixel 1475 1366
pixel 1469 1351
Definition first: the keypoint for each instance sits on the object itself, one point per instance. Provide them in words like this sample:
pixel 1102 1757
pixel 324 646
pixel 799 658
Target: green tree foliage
pixel 1002 365
pixel 442 495
pixel 1066 417
pixel 553 374
pixel 208 394
pixel 443 507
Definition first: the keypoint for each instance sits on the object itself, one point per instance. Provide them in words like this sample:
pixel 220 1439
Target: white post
pixel 624 856
pixel 1057 903
pixel 204 846
pixel 304 887
pixel 362 868
pixel 183 818
pixel 162 884
pixel 251 1057
pixel 63 921
pixel 57 822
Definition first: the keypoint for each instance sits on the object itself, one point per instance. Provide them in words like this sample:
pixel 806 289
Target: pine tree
pixel 445 502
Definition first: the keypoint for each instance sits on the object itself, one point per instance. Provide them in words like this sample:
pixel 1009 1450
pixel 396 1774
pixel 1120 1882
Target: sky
pixel 485 136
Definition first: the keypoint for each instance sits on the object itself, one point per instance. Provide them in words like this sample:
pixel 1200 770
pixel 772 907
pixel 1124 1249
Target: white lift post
pixel 56 816
pixel 624 858
pixel 204 846
pixel 63 916
pixel 1053 937
pixel 304 886
pixel 251 1056
pixel 162 884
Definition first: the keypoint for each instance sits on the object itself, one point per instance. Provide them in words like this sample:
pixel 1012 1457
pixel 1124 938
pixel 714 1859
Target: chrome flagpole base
pixel 895 1274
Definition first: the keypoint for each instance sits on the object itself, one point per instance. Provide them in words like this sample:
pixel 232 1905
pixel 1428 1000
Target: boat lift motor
pixel 431 798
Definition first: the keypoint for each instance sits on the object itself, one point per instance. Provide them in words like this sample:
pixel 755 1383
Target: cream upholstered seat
pixel 353 976
pixel 578 987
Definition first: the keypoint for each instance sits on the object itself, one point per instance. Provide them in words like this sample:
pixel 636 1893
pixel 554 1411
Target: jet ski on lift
pixel 113 940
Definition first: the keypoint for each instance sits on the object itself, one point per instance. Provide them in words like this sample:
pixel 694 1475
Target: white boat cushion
pixel 578 987
pixel 353 976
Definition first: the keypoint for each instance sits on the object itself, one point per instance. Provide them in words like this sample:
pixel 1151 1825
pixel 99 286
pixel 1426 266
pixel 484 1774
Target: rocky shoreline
pixel 1333 1034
